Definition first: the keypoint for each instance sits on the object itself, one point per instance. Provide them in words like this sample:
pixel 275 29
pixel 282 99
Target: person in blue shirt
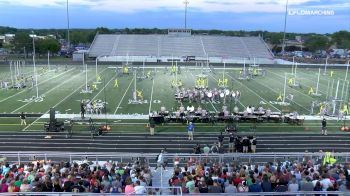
pixel 190 129
pixel 255 187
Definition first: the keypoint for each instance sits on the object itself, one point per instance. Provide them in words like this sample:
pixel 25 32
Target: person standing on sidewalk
pixel 23 119
pixel 324 127
pixel 190 129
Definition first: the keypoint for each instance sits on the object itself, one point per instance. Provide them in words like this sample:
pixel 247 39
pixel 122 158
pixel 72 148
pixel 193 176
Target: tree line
pixel 312 42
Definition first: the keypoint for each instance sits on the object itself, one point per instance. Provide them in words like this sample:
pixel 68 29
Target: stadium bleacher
pixel 202 46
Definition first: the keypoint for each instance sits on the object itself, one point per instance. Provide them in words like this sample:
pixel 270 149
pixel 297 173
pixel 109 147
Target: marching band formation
pixel 205 95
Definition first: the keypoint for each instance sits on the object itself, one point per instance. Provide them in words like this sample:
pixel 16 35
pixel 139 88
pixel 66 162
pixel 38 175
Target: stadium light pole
pixel 35 74
pixel 186 2
pixel 67 12
pixel 285 27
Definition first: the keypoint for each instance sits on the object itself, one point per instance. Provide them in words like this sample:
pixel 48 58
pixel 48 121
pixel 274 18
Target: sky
pixel 248 15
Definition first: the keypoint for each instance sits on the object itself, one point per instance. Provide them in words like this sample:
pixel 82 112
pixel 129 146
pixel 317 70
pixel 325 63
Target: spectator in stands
pixel 220 139
pixel 254 187
pixel 230 188
pixel 245 143
pixel 139 189
pixel 57 187
pixel 129 188
pixel 231 143
pixel 215 187
pixel 47 185
pixel 67 186
pixel 242 187
pixel 345 187
pixel 214 148
pixel 281 185
pixel 4 186
pixel 202 185
pixel 160 160
pixel 197 149
pixel 190 185
pixel 266 184
pixel 206 149
pixel 253 143
pixel 325 182
pixel 306 184
pixel 318 187
pixel 293 185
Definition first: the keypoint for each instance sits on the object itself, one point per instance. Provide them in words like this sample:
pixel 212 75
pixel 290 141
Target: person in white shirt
pixel 138 188
pixel 325 182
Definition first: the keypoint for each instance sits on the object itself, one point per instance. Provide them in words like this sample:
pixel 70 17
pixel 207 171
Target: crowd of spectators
pixel 201 177
pixel 76 177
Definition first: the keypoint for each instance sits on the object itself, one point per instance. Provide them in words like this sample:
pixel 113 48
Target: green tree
pixel 341 39
pixel 103 30
pixel 44 45
pixel 22 40
pixel 317 42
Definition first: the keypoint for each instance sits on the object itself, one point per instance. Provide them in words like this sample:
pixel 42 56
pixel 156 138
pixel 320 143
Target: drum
pixel 222 95
pixel 210 94
pixel 227 92
pixel 233 94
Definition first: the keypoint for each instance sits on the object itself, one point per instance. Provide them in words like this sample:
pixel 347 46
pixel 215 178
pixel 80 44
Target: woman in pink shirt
pixel 4 186
pixel 129 188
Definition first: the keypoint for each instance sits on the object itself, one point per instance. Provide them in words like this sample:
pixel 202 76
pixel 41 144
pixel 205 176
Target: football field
pixel 62 89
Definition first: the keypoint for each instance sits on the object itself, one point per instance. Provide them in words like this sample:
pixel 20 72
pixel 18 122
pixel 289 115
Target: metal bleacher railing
pixel 299 193
pixel 18 157
pixel 151 157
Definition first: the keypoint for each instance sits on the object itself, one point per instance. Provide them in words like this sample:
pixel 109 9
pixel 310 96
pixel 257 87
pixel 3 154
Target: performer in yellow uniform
pixel 332 73
pixel 139 94
pixel 255 72
pixel 94 87
pixel 345 109
pixel 98 78
pixel 116 83
pixel 126 70
pixel 280 97
pixel 311 91
pixel 290 81
pixel 225 82
pixel 321 108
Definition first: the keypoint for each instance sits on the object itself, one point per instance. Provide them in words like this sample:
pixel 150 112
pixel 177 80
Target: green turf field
pixel 62 90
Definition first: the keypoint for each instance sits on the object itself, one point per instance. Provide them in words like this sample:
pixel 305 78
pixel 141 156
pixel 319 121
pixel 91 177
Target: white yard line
pixel 102 88
pixel 116 109
pixel 150 103
pixel 57 104
pixel 253 92
pixel 47 92
pixel 33 87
